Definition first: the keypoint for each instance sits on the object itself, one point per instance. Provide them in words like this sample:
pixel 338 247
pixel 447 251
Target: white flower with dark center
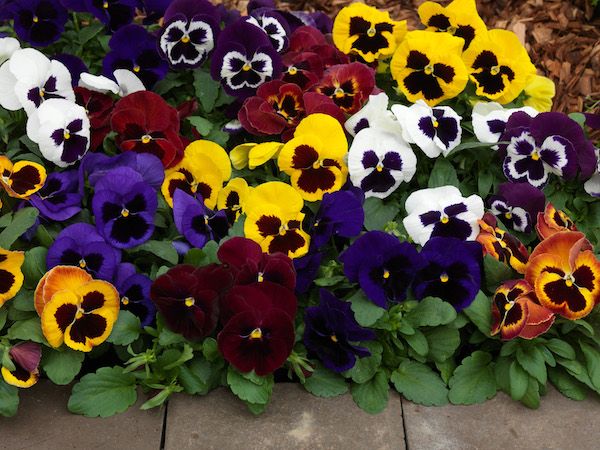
pixel 272 24
pixel 126 83
pixel 489 120
pixel 592 186
pixel 442 211
pixel 518 217
pixel 374 114
pixel 378 161
pixel 62 131
pixel 239 72
pixel 186 44
pixel 435 130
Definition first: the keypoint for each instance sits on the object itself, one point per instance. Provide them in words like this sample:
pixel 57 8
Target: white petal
pixel 8 96
pixel 432 199
pixel 98 83
pixel 415 229
pixel 592 186
pixel 128 82
pixel 8 46
pixel 29 66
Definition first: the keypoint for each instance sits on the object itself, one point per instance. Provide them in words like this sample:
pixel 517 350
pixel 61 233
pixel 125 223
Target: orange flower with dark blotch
pixel 552 221
pixel 565 274
pixel 516 312
pixel 501 245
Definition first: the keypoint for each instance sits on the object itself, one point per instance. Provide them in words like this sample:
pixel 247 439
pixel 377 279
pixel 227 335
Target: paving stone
pixel 295 419
pixel 44 423
pixel 501 423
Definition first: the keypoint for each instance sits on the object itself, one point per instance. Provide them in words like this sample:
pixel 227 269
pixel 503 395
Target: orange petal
pixel 57 279
pixel 560 244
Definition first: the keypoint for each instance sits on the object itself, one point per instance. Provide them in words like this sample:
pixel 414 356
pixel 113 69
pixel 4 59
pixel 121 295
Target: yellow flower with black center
pixel 202 171
pixel 11 277
pixel 233 197
pixel 274 219
pixel 252 155
pixel 499 65
pixel 21 179
pixel 314 158
pixel 428 66
pixel 365 31
pixel 539 93
pixel 459 18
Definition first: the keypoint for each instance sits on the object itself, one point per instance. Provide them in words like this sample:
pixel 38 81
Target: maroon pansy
pixel 98 107
pixel 348 85
pixel 302 68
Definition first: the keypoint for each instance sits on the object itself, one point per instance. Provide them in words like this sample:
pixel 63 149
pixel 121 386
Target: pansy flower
pixel 244 59
pixel 74 64
pixel 81 314
pixel 80 245
pixel 113 13
pixel 21 179
pixel 99 108
pixel 134 289
pixel 124 206
pixel 145 123
pixel 340 214
pixel 382 265
pixel 565 274
pixel 307 269
pixel 501 245
pixel 59 199
pixel 367 32
pixel 307 39
pixel 459 18
pixel 274 219
pixel 122 82
pixel 348 85
pixel 8 45
pixel 374 114
pixel 539 93
pixel 274 25
pixel 135 49
pixel 196 222
pixel 302 68
pixel 442 211
pixel 490 118
pixel 378 161
pixel 62 130
pixel 25 356
pixel 188 298
pixel 333 335
pixel 451 271
pixel 11 277
pixel 552 221
pixel 202 171
pixel 592 186
pixel 253 155
pixel 516 312
pixel 428 66
pixel 314 158
pixel 189 33
pixel 39 22
pixel 232 198
pixel 517 205
pixel 499 65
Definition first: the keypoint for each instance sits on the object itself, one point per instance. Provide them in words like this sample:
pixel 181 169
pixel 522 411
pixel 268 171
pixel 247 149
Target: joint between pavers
pixel 404 423
pixel 163 435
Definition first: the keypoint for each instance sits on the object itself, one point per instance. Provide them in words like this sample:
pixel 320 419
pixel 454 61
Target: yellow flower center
pixel 292 70
pixel 452 30
pixel 79 314
pixel 246 67
pixel 495 70
pixel 146 139
pixel 105 5
pixel 256 334
pixel 435 123
pixel 535 155
pixel 125 301
pixel 260 278
pixel 35 19
pixel 67 135
pixel 42 92
pixel 136 69
pixel 371 32
pixel 508 215
pixel 333 337
pixel 428 69
pixel 569 283
pixel 125 212
pixel 185 39
pixel 189 302
pixel 502 243
pixel 444 278
pixel 508 306
pixel 386 274
pixel 205 220
pixel 445 219
pixel 316 165
pixel 379 167
pixel 339 92
pixel 82 263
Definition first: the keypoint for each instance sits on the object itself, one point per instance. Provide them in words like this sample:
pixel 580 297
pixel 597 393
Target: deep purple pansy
pixel 307 268
pixel 59 199
pixel 134 289
pixel 113 13
pixel 340 214
pixel 39 22
pixel 274 25
pixel 517 205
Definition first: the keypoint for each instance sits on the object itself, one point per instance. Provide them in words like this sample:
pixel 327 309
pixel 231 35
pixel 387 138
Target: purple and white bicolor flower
pixel 435 130
pixel 490 118
pixel 29 78
pixel 378 161
pixel 592 186
pixel 442 211
pixel 374 114
pixel 125 82
pixel 274 25
pixel 61 129
pixel 517 205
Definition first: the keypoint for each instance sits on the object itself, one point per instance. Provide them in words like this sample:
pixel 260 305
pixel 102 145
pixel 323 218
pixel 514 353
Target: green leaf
pixel 3 314
pixel 442 174
pixel 473 381
pixel 418 342
pixel 9 399
pixel 480 313
pixel 566 384
pixel 485 181
pixel 126 329
pixel 88 32
pixel 592 361
pixel 532 360
pixel 168 337
pixel 373 395
pixel 27 330
pixel 325 383
pixel 207 89
pixel 366 367
pixel 519 381
pixel 199 376
pixel 531 399
pixel 62 366
pixel 249 386
pixel 23 301
pixel 162 249
pixel 256 408
pixel 365 311
pixel 378 213
pixel 561 348
pixel 443 342
pixel 202 125
pixel 420 384
pixel 107 392
pixel 502 373
pixel 431 312
pixel 210 349
pixel 21 222
pixel 495 273
pixel 34 266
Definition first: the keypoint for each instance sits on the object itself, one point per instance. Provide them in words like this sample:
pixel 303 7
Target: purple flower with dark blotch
pixel 154 10
pixel 383 266
pixel 592 121
pixel 517 205
pixel 196 222
pixel 320 21
pixel 451 271
pixel 39 22
pixel 340 214
pixel 189 34
pixel 307 268
pixel 135 49
pixel 59 199
pixel 274 25
pixel 227 16
pixel 124 206
pixel 80 245
pixel 257 4
pixel 244 59
pixel 75 65
pixel 134 289
pixel 331 333
pixel 113 13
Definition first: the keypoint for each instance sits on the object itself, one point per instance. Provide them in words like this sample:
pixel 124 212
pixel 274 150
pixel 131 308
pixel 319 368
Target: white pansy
pixel 8 46
pixel 127 83
pixel 489 120
pixel 592 186
pixel 375 114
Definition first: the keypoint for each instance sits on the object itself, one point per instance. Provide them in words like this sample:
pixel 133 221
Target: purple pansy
pixel 124 206
pixel 382 265
pixel 39 22
pixel 113 13
pixel 340 214
pixel 74 64
pixel 155 9
pixel 307 268
pixel 134 289
pixel 59 199
pixel 451 271
pixel 244 59
pixel 189 34
pixel 331 333
pixel 80 245
pixel 196 222
pixel 517 205
pixel 135 49
pixel 274 25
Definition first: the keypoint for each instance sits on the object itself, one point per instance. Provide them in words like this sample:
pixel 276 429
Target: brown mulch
pixel 561 36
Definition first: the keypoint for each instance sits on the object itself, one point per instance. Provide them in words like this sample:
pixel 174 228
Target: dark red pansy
pixel 348 85
pixel 302 68
pixel 305 38
pixel 98 107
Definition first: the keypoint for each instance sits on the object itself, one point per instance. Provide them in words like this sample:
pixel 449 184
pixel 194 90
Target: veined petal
pixel 11 277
